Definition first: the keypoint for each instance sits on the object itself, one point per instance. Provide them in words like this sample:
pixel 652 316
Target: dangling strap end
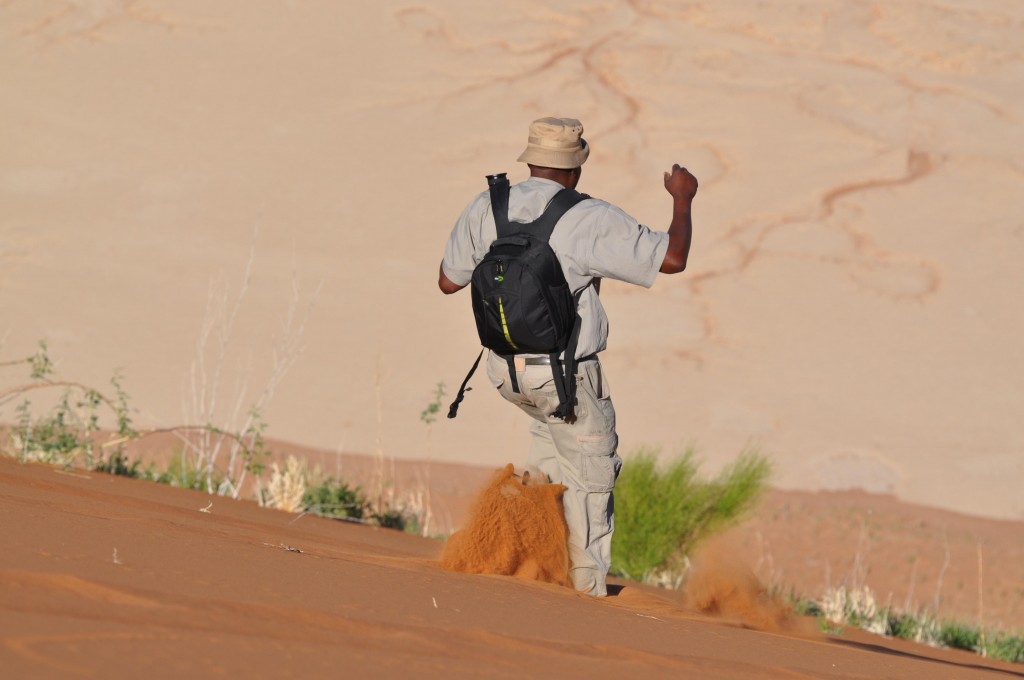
pixel 566 412
pixel 453 410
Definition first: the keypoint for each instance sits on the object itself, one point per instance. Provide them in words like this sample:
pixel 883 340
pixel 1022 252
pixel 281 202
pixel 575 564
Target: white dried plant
pixel 288 486
pixel 670 577
pixel 857 607
pixel 223 430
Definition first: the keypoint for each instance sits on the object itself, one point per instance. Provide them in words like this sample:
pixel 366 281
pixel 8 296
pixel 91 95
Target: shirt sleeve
pixel 626 250
pixel 464 249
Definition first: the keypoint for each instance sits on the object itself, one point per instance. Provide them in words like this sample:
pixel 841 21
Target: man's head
pixel 556 150
pixel 556 143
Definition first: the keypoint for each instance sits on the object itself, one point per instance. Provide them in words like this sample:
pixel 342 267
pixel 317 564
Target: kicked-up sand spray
pixel 721 584
pixel 516 528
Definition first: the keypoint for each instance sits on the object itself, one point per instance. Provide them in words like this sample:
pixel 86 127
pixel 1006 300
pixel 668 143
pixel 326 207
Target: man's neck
pixel 563 177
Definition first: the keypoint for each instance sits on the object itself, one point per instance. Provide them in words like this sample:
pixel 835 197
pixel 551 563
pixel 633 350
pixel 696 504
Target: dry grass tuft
pixel 287 487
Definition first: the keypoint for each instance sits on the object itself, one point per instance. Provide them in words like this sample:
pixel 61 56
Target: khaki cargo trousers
pixel 582 456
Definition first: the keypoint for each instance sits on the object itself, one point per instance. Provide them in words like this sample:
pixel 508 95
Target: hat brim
pixel 562 159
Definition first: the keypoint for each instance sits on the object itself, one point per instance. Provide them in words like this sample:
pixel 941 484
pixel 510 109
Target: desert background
pixel 240 203
pixel 852 301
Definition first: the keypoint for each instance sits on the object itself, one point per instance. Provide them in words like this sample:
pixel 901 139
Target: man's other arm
pixel 446 285
pixel 683 187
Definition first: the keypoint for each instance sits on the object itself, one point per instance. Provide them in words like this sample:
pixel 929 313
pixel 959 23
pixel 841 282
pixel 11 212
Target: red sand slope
pixel 110 577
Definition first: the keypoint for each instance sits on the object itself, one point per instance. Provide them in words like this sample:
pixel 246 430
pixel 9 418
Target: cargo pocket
pixel 600 463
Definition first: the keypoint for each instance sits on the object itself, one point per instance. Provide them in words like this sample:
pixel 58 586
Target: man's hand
pixel 680 183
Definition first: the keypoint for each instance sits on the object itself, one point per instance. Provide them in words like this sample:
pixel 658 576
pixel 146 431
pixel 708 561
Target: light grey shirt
pixel 594 239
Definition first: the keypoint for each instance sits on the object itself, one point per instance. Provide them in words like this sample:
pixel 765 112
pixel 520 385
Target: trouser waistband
pixel 543 360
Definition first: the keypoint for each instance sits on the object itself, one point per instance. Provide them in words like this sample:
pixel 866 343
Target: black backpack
pixel 521 301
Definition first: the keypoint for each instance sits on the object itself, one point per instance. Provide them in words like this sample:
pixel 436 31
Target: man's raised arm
pixel 683 187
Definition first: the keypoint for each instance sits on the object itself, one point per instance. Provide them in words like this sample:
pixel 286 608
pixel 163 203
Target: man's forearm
pixel 680 233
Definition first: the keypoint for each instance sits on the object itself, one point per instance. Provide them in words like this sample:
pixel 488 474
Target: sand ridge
pixel 220 592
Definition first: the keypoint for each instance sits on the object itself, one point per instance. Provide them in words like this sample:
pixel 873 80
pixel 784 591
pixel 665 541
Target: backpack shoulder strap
pixel 499 205
pixel 540 227
pixel 559 205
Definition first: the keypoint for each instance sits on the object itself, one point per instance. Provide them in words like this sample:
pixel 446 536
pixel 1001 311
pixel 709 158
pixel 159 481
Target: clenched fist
pixel 680 183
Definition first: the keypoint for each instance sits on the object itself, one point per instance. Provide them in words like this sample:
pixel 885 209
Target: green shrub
pixel 181 472
pixel 394 519
pixel 335 499
pixel 960 636
pixel 118 464
pixel 1007 647
pixel 858 608
pixel 660 513
pixel 802 606
pixel 66 434
pixel 58 438
pixel 903 625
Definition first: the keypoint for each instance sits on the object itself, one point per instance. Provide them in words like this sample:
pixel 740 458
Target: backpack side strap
pixel 567 390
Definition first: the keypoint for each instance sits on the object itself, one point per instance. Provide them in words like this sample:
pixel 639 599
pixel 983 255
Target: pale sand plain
pixel 851 307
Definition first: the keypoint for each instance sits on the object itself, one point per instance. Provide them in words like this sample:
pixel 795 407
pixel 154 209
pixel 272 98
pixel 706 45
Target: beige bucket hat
pixel 556 143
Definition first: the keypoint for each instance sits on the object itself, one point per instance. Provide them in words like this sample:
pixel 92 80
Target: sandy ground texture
pixel 109 577
pixel 852 301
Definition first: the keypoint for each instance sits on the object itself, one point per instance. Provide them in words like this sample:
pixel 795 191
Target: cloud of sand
pixel 516 528
pixel 721 584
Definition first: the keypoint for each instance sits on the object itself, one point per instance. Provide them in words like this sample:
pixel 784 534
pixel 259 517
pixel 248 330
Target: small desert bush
pixel 64 430
pixel 76 425
pixel 119 464
pixel 661 512
pixel 959 635
pixel 336 499
pixel 1007 647
pixel 287 488
pixel 858 608
pixel 182 472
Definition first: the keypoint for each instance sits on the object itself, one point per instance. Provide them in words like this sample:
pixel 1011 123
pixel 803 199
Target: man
pixel 593 240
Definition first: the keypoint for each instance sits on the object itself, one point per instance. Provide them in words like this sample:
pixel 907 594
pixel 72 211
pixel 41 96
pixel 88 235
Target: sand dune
pixel 215 198
pixel 849 305
pixel 111 577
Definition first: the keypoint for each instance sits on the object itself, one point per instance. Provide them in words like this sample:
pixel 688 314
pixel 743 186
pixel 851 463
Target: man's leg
pixel 543 454
pixel 583 457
